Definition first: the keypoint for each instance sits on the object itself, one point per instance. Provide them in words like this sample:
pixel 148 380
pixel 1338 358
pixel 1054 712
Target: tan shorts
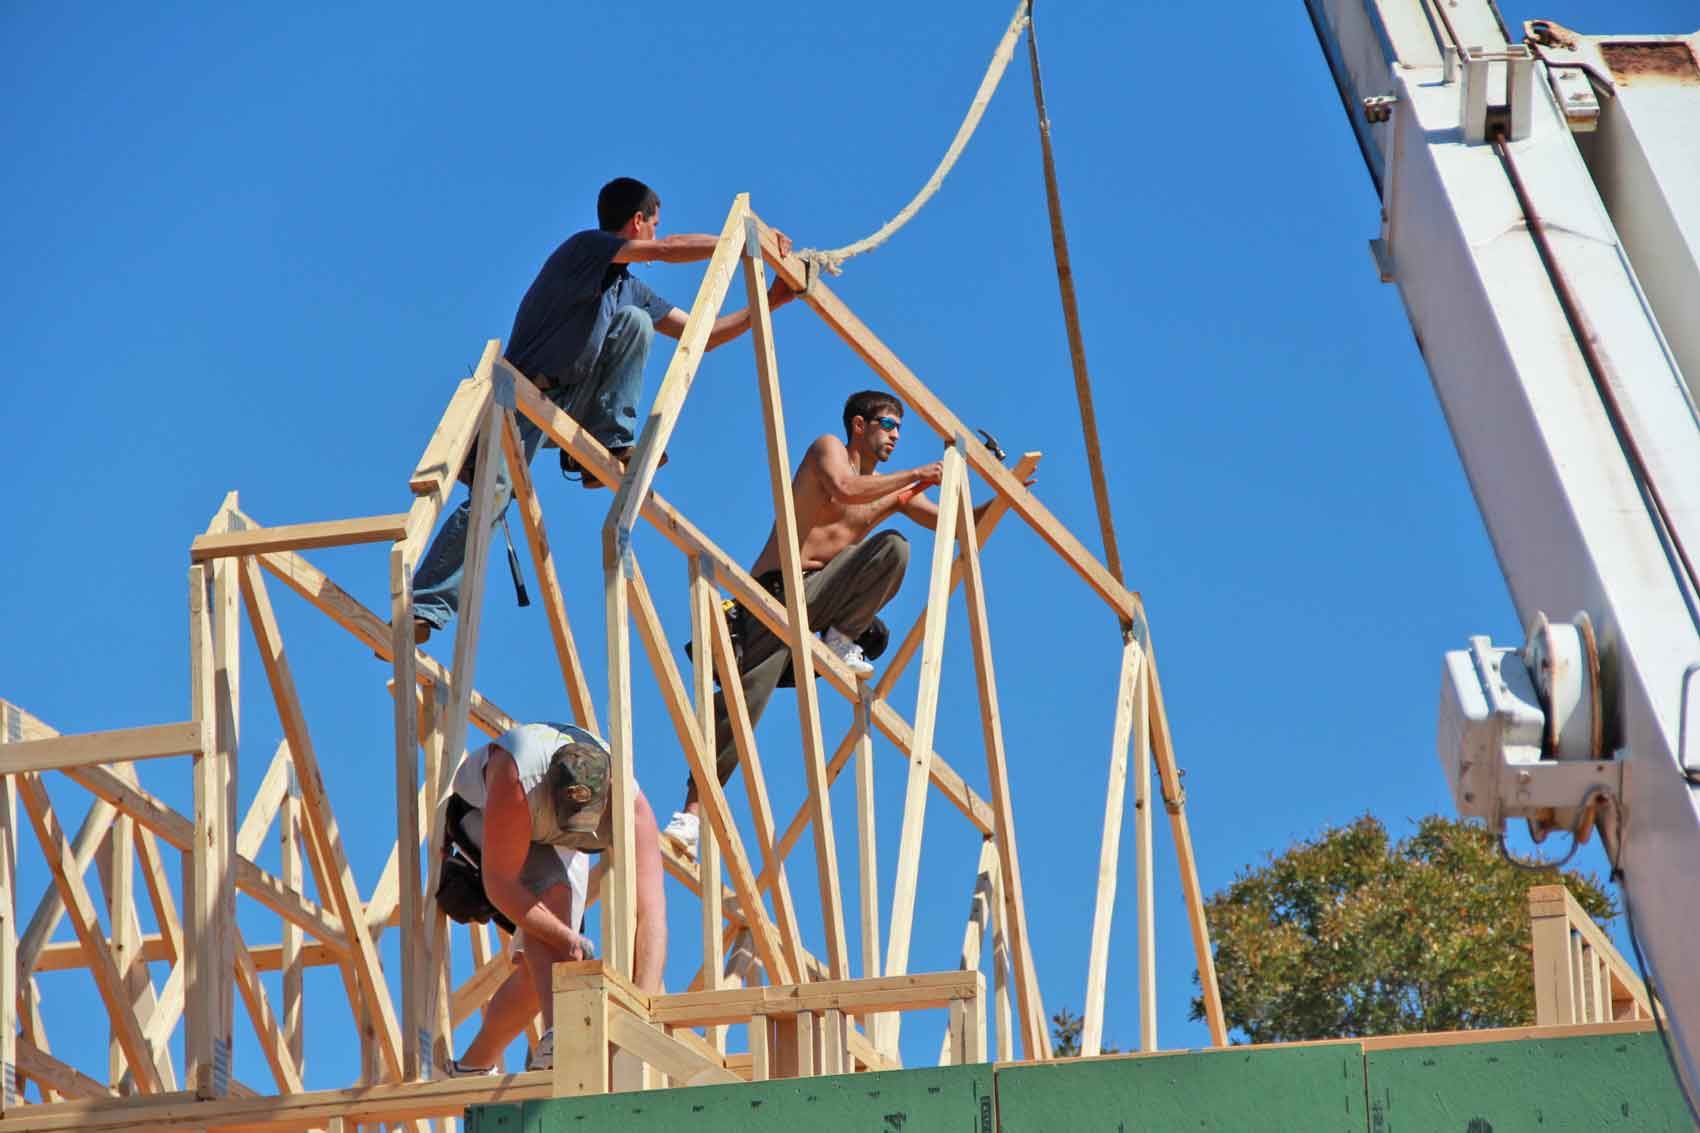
pixel 544 868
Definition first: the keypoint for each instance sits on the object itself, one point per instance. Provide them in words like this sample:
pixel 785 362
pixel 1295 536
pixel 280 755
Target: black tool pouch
pixel 460 882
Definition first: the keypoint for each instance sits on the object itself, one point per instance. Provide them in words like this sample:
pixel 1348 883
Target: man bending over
pixel 839 498
pixel 534 803
pixel 582 335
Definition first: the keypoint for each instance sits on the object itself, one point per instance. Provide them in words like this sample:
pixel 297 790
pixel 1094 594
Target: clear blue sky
pixel 256 248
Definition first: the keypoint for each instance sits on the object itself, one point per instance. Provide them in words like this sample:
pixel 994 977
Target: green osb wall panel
pixel 1544 1086
pixel 1315 1089
pixel 957 1099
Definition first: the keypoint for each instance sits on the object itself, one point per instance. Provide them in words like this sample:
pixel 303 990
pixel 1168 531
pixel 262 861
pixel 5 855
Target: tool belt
pixel 460 882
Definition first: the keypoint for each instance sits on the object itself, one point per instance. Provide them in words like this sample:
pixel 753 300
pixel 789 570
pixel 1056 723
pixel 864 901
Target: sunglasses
pixel 889 424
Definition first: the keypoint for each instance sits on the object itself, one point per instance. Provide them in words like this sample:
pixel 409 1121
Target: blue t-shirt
pixel 564 317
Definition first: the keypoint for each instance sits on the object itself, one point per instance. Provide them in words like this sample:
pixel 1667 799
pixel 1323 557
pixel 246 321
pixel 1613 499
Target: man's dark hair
pixel 867 404
pixel 622 197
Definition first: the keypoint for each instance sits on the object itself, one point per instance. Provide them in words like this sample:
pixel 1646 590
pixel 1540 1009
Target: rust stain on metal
pixel 1647 64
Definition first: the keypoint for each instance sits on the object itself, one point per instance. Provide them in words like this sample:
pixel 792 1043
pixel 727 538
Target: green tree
pixel 1350 934
pixel 1065 1035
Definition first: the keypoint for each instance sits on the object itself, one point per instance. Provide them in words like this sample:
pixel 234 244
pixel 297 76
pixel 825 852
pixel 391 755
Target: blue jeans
pixel 605 403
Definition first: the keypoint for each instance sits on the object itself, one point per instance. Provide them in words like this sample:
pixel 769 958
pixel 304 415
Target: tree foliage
pixel 1350 934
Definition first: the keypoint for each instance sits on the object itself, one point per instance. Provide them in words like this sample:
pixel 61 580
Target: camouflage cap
pixel 578 783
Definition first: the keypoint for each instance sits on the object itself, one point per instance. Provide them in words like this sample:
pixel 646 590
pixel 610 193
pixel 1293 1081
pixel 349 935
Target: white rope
pixel 831 260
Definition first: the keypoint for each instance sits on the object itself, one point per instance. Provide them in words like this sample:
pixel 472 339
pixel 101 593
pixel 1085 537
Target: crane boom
pixel 1540 214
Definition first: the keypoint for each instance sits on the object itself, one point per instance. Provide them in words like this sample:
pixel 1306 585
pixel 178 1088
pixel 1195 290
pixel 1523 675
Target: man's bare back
pixel 837 502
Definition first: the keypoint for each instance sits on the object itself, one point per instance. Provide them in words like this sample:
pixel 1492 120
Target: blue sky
pixel 256 248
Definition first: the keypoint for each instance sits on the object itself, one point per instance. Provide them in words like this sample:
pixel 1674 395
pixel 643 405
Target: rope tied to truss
pixel 831 260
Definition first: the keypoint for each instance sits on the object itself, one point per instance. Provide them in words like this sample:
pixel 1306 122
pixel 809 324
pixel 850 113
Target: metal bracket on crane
pixel 1521 731
pixel 1481 119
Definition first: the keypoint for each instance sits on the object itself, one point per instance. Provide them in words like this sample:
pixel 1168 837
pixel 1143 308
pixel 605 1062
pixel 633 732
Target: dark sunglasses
pixel 889 424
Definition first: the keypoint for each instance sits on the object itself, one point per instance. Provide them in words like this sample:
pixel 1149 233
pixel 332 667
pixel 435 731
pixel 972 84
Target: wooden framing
pixel 1580 977
pixel 809 1015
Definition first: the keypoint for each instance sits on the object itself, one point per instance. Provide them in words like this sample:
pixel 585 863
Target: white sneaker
pixel 848 652
pixel 455 1068
pixel 542 1056
pixel 685 828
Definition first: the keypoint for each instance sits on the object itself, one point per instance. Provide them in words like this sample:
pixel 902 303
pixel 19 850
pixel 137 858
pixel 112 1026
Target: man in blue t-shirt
pixel 582 335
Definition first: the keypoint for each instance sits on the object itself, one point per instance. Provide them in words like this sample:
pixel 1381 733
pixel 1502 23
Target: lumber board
pixel 445 451
pixel 619 917
pixel 291 955
pixel 704 599
pixel 921 745
pixel 867 838
pixel 799 636
pixel 405 878
pixel 1035 1033
pixel 1109 849
pixel 1174 801
pixel 1001 967
pixel 299 537
pixel 1144 864
pixel 151 741
pixel 919 991
pixel 581 1039
pixel 206 978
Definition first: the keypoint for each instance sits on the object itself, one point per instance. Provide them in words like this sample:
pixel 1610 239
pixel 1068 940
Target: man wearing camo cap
pixel 539 805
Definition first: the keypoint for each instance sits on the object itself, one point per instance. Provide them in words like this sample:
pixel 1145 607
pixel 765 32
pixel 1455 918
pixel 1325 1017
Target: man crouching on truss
pixel 525 812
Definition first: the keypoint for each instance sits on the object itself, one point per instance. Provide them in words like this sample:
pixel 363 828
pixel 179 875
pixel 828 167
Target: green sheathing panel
pixel 1314 1089
pixel 958 1099
pixel 1540 1085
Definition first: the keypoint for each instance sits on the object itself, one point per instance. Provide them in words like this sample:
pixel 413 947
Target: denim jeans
pixel 605 403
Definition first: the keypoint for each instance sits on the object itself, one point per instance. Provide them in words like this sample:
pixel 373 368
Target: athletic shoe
pixel 847 651
pixel 685 829
pixel 454 1068
pixel 542 1056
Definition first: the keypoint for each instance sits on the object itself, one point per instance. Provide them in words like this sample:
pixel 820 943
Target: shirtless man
pixel 839 498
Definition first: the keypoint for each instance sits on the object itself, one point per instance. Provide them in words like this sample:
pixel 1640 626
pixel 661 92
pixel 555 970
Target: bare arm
pixel 830 460
pixel 726 327
pixel 679 248
pixel 507 840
